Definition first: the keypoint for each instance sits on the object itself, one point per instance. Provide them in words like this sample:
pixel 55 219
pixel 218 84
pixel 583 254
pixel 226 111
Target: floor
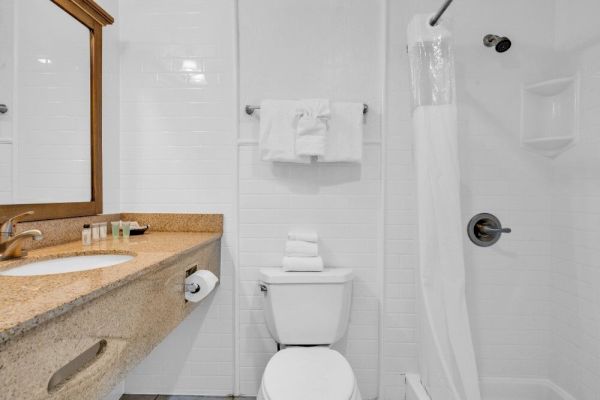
pixel 167 397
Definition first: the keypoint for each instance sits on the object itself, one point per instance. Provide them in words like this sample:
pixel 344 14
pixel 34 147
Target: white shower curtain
pixel 447 356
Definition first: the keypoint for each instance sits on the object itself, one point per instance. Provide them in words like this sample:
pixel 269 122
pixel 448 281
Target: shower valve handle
pixel 485 229
pixel 489 230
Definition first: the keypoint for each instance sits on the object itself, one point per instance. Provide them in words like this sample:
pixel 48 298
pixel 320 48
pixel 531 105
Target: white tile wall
pixel 6 97
pixel 111 133
pixel 6 65
pixel 339 58
pixel 176 88
pixel 178 155
pixel 5 173
pixel 575 273
pixel 343 202
pixel 335 200
pixel 399 334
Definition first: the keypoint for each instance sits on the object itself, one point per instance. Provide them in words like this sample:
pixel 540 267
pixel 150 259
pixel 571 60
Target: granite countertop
pixel 27 301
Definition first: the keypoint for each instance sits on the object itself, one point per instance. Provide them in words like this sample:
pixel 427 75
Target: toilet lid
pixel 302 373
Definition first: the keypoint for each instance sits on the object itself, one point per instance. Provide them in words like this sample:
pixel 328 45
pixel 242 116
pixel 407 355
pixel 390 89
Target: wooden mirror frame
pixel 94 18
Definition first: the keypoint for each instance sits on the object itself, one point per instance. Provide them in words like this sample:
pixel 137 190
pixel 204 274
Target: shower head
pixel 501 43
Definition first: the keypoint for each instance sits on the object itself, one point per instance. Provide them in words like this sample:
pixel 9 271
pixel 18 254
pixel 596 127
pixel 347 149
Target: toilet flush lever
pixel 263 287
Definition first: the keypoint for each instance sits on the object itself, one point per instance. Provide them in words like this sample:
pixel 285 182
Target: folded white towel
pixel 306 236
pixel 304 264
pixel 277 142
pixel 312 127
pixel 299 248
pixel 345 134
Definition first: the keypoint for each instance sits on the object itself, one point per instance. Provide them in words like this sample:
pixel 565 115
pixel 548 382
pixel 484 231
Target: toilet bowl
pixel 306 312
pixel 315 373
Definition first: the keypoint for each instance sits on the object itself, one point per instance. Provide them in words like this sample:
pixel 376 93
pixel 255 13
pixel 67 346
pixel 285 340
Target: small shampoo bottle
pixel 86 235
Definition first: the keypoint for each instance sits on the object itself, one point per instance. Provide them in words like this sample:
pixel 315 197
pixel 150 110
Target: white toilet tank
pixel 307 308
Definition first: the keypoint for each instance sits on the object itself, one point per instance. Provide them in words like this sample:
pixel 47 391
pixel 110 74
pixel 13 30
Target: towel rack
pixel 250 109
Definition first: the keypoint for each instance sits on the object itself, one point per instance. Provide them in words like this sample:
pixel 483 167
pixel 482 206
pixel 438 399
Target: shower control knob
pixel 492 231
pixel 485 229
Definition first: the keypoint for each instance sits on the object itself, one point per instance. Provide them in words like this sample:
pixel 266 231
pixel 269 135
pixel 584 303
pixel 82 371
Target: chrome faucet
pixel 11 244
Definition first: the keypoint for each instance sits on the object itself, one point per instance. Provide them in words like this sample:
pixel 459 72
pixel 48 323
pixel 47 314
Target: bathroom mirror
pixel 50 107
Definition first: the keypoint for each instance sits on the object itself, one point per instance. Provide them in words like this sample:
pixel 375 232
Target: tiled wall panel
pixel 339 58
pixel 177 154
pixel 111 166
pixel 575 272
pixel 6 173
pixel 399 346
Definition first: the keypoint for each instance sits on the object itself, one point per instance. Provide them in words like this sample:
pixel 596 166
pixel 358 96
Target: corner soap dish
pixel 550 116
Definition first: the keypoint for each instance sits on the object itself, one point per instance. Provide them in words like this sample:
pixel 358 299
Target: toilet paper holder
pixel 198 284
pixel 191 287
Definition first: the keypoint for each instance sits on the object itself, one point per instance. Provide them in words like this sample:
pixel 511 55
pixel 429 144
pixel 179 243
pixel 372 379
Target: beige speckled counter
pixel 48 322
pixel 26 302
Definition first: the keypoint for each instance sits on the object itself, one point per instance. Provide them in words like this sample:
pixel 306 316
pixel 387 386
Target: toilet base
pixel 263 396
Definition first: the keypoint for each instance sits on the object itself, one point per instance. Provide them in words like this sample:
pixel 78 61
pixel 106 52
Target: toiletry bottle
pixel 103 229
pixel 95 232
pixel 86 235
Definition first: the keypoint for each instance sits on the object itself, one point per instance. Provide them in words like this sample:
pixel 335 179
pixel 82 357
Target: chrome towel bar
pixel 250 109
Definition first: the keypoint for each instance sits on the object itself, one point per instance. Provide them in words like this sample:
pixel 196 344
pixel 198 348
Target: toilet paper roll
pixel 207 282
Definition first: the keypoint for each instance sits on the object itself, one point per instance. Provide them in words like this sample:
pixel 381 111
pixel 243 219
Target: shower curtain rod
pixel 434 20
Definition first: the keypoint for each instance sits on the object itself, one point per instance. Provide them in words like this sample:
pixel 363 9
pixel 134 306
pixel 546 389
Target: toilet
pixel 307 312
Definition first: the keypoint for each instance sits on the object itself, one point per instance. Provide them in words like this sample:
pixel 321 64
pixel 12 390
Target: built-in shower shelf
pixel 549 144
pixel 549 116
pixel 551 87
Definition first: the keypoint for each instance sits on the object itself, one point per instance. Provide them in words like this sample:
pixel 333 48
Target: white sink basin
pixel 67 264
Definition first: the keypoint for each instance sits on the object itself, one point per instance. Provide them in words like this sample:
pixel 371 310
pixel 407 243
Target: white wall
pixel 178 135
pixel 399 347
pixel 111 132
pixel 174 119
pixel 339 58
pixel 575 278
pixel 6 97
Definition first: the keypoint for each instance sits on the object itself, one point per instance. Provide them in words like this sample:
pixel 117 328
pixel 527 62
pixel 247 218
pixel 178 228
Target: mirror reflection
pixel 45 138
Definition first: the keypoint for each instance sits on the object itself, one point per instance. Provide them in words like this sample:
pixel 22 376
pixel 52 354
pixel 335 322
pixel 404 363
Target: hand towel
pixel 312 127
pixel 306 236
pixel 345 134
pixel 305 264
pixel 299 248
pixel 277 141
